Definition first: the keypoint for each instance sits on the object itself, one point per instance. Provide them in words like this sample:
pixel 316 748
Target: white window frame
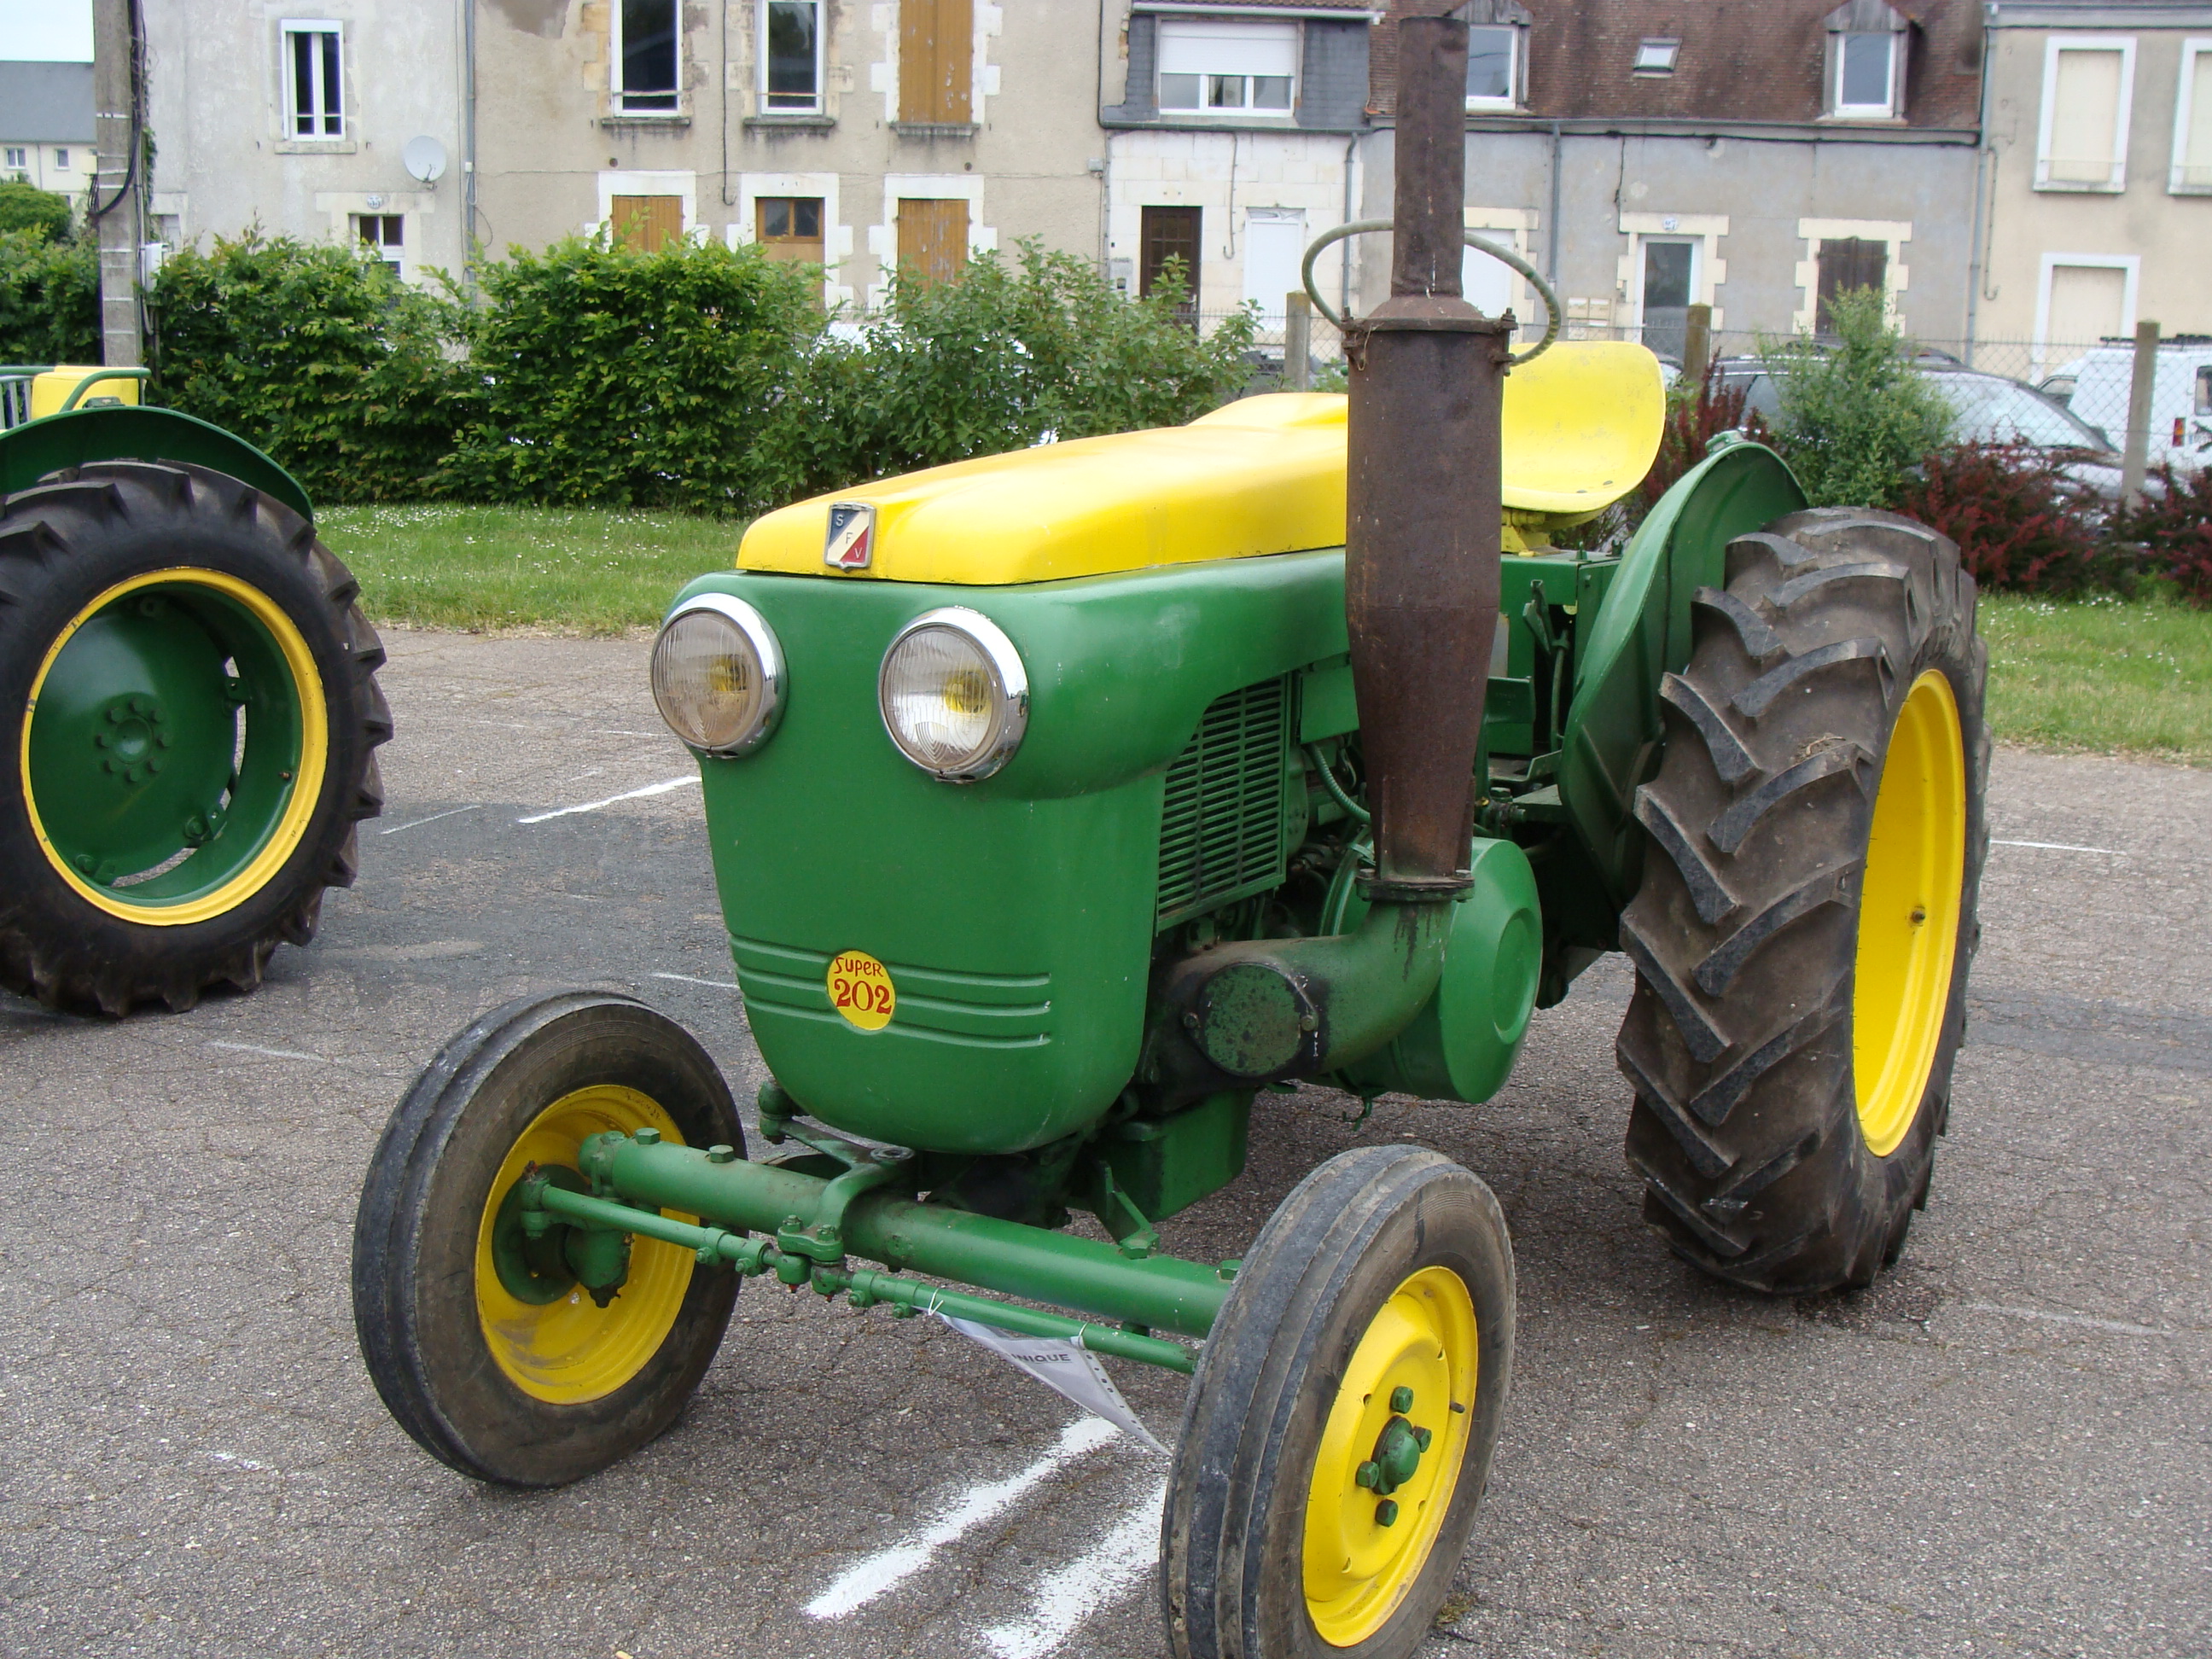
pixel 2052 46
pixel 821 63
pixel 1245 111
pixel 1892 105
pixel 2194 47
pixel 1512 99
pixel 61 157
pixel 286 30
pixel 621 95
pixel 394 257
pixel 2130 264
pixel 17 156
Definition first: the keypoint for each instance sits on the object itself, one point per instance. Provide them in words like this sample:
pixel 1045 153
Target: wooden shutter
pixel 1166 234
pixel 932 237
pixel 1848 261
pixel 936 50
pixel 649 223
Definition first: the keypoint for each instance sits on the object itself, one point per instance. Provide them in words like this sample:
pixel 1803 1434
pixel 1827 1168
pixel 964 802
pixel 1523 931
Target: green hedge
pixel 699 377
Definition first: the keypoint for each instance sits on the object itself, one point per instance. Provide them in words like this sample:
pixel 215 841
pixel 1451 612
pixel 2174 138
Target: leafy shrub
pixel 41 212
pixel 49 299
pixel 2173 529
pixel 1855 415
pixel 1002 356
pixel 1697 411
pixel 607 375
pixel 314 351
pixel 2021 525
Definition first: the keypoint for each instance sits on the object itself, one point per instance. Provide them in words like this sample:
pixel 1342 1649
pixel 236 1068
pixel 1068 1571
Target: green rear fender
pixel 1641 633
pixel 29 452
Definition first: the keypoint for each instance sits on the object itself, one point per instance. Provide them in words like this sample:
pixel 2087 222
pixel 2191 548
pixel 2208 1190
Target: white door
pixel 1491 285
pixel 1274 244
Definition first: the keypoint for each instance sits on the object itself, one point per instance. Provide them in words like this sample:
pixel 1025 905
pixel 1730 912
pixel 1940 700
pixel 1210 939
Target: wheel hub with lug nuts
pixel 1398 1451
pixel 134 737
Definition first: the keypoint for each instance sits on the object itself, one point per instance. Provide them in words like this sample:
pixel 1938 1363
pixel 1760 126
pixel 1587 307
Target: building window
pixel 385 232
pixel 648 224
pixel 1654 57
pixel 791 58
pixel 789 227
pixel 2088 84
pixel 314 84
pixel 2192 121
pixel 648 55
pixel 932 238
pixel 1165 234
pixel 1228 68
pixel 1492 60
pixel 1866 75
pixel 937 63
pixel 61 160
pixel 18 163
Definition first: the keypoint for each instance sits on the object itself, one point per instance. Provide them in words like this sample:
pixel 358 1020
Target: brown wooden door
pixel 932 237
pixel 650 222
pixel 937 51
pixel 1170 233
pixel 1846 263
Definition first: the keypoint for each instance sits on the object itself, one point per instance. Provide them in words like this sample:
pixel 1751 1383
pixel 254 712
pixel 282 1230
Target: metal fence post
pixel 2139 391
pixel 1297 337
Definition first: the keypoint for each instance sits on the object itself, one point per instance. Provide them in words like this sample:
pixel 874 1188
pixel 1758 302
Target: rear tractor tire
pixel 188 724
pixel 1337 1437
pixel 485 1349
pixel 1806 920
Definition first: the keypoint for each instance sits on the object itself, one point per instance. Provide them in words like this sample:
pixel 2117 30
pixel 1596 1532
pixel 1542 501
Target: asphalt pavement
pixel 2005 1447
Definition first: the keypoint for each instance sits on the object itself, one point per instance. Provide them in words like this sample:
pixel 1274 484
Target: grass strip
pixel 2103 675
pixel 517 570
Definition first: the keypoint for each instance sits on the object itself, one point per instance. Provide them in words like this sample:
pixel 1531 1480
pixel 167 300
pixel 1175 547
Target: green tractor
pixel 188 701
pixel 1061 802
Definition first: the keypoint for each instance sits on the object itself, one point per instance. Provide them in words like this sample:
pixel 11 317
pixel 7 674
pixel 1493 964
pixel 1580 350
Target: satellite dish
pixel 425 158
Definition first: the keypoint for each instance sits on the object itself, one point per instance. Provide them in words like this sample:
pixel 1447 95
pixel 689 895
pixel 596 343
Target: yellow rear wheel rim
pixel 572 1351
pixel 1358 1571
pixel 1908 909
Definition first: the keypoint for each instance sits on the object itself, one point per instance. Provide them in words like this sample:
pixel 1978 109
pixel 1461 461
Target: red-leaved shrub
pixel 2021 525
pixel 2174 526
pixel 1692 420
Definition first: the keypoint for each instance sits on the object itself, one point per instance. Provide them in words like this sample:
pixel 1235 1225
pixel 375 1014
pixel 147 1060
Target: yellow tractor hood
pixel 1263 474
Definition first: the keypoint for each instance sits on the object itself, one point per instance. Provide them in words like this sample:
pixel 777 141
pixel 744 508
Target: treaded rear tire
pixel 63 543
pixel 1739 1039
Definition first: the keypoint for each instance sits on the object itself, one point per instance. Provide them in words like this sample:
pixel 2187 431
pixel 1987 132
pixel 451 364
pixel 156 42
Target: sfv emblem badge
pixel 851 540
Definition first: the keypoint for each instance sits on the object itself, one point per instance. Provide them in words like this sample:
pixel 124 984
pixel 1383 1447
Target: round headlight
pixel 718 675
pixel 954 695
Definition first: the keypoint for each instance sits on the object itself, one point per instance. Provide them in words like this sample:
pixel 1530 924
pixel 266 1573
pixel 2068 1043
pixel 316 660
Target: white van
pixel 2095 387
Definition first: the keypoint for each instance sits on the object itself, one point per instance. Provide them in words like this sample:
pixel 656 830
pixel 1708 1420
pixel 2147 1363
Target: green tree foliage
pixel 1856 417
pixel 316 353
pixel 49 299
pixel 27 207
pixel 606 375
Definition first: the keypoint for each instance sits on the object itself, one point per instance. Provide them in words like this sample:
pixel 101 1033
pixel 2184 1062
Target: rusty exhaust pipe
pixel 1421 593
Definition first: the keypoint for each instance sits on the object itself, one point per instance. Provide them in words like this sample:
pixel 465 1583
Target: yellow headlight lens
pixel 717 675
pixel 954 696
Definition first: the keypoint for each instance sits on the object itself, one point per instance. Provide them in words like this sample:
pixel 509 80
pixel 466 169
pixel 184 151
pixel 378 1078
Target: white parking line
pixel 719 984
pixel 1070 1594
pixel 869 1577
pixel 2052 1316
pixel 627 794
pixel 273 1054
pixel 2061 847
pixel 433 818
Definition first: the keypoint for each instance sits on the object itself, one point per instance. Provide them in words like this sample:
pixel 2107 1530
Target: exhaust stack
pixel 1421 592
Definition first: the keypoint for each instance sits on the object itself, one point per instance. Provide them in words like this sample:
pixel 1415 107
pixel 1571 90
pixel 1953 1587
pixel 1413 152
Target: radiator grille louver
pixel 1221 833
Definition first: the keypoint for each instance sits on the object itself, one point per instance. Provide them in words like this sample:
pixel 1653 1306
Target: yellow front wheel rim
pixel 1908 909
pixel 572 1351
pixel 1422 1343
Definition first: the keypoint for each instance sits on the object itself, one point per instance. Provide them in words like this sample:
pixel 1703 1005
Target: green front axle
pixel 805 1224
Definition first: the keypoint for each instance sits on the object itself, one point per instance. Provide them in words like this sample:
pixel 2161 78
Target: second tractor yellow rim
pixel 572 1351
pixel 1909 910
pixel 1360 1568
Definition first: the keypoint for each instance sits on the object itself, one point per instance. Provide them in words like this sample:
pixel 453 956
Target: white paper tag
pixel 1064 1364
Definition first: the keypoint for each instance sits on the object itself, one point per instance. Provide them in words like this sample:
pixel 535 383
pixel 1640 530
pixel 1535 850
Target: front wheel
pixel 482 1341
pixel 1338 1434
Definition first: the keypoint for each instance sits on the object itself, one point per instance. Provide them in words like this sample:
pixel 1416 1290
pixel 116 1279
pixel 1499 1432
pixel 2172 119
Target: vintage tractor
pixel 1062 801
pixel 187 698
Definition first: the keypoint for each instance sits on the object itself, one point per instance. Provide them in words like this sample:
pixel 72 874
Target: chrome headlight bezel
pixel 767 652
pixel 1011 684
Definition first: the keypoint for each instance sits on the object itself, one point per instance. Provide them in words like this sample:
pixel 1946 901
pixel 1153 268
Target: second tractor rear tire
pixel 1806 920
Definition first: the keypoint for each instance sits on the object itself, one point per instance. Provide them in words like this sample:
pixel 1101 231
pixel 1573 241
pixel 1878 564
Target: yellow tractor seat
pixel 1262 475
